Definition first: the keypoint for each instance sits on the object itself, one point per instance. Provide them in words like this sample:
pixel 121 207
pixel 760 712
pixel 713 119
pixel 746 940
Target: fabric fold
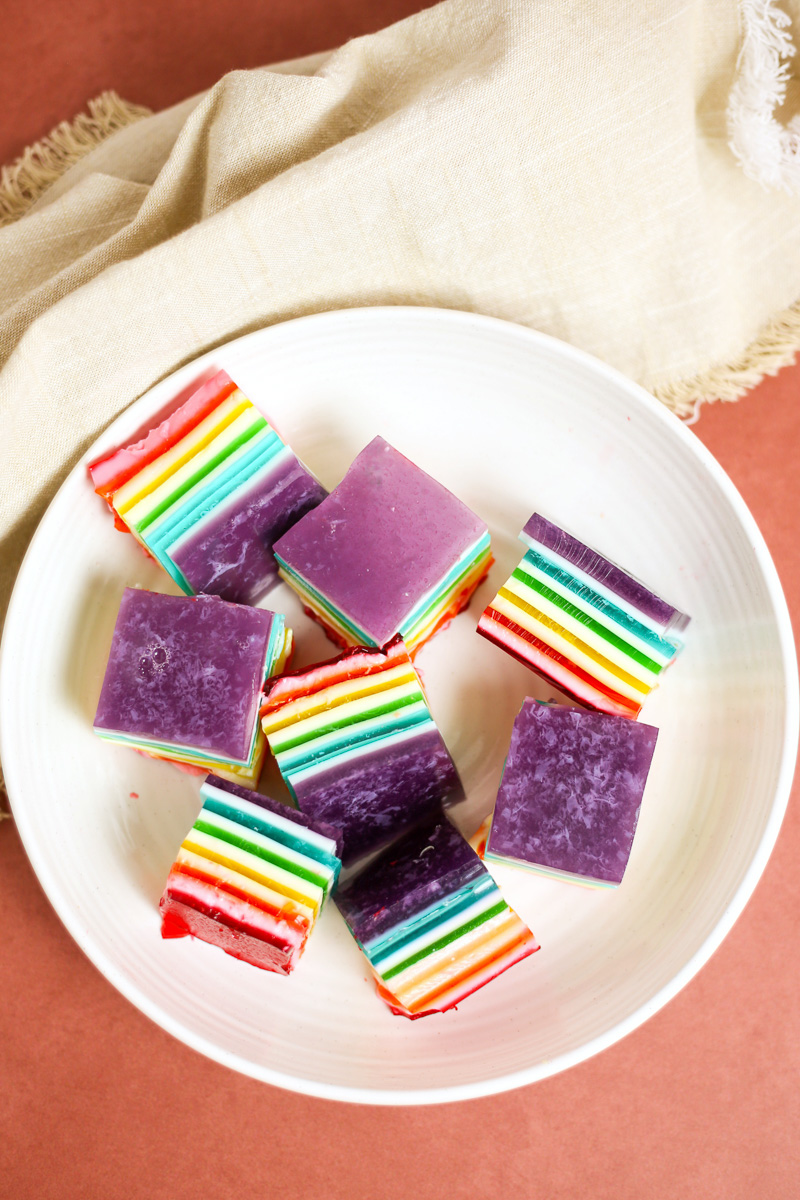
pixel 562 166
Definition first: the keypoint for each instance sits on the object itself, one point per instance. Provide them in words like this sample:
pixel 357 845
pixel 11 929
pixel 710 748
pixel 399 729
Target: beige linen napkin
pixel 563 165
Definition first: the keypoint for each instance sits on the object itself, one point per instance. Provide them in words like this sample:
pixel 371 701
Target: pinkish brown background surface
pixel 95 1101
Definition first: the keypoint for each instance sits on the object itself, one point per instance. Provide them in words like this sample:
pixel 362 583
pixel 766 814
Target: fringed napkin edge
pixel 40 165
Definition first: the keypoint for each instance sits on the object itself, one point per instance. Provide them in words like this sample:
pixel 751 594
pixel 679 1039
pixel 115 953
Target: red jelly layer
pixel 556 667
pixel 114 469
pixel 293 920
pixel 353 664
pixel 186 916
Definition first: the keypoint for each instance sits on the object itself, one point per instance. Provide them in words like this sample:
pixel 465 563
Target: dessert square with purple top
pixel 251 877
pixel 583 623
pixel 357 746
pixel 390 551
pixel 570 795
pixel 432 922
pixel 184 680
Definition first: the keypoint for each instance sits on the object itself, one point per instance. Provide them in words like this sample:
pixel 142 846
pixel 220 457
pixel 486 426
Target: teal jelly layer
pixel 292 837
pixel 375 745
pixel 355 737
pixel 428 918
pixel 424 610
pixel 264 455
pixel 190 754
pixel 566 575
pixel 310 873
pixel 318 602
pixel 563 578
pixel 465 910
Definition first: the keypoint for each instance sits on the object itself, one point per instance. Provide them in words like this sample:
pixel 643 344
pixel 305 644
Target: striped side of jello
pixel 583 623
pixel 250 877
pixel 443 929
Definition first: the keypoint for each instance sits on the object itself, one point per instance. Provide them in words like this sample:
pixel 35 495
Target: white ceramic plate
pixel 511 421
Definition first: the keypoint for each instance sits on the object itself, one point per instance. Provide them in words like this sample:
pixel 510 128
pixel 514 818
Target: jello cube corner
pixel 389 552
pixel 583 623
pixel 571 791
pixel 185 678
pixel 432 922
pixel 250 877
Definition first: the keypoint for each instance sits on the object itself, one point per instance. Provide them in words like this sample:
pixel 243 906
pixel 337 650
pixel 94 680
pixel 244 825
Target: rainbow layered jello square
pixel 432 922
pixel 389 552
pixel 583 623
pixel 184 680
pixel 571 791
pixel 358 748
pixel 208 490
pixel 251 877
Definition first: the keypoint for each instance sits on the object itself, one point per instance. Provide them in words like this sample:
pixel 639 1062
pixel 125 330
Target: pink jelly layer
pixel 286 916
pixel 192 907
pixel 114 469
pixel 546 661
pixel 458 990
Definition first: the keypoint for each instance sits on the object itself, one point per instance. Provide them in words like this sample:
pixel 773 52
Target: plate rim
pixel 509 1081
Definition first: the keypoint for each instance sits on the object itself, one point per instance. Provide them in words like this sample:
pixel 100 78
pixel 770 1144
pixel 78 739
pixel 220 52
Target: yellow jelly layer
pixel 265 873
pixel 216 869
pixel 419 984
pixel 161 468
pixel 335 695
pixel 574 649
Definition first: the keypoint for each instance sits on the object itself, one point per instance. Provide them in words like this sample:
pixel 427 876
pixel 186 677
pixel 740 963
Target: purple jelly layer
pixel 419 870
pixel 383 539
pixel 545 533
pixel 186 671
pixel 280 810
pixel 375 797
pixel 231 554
pixel 571 790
